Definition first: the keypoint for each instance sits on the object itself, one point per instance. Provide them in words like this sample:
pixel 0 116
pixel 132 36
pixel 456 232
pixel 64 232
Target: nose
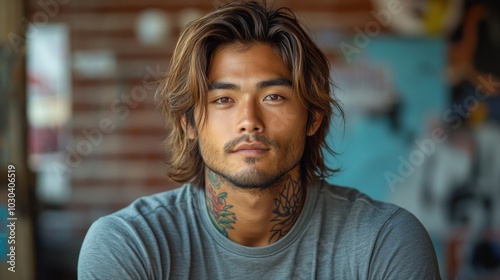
pixel 250 117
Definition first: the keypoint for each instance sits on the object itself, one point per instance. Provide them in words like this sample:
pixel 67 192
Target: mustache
pixel 229 146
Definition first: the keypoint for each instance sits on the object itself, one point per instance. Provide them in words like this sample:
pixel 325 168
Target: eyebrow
pixel 267 83
pixel 275 82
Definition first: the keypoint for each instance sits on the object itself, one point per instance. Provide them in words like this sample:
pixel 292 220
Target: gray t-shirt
pixel 340 234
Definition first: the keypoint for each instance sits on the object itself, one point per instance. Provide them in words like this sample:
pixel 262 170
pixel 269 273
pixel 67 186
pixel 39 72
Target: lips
pixel 251 147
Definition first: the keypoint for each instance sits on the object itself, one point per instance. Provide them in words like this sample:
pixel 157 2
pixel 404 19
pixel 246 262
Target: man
pixel 247 97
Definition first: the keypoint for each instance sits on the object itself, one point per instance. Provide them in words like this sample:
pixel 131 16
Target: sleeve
pixel 403 250
pixel 111 250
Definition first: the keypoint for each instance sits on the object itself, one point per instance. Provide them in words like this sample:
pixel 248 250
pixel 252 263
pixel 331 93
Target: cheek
pixel 207 147
pixel 288 121
pixel 219 123
pixel 291 139
pixel 212 122
pixel 211 139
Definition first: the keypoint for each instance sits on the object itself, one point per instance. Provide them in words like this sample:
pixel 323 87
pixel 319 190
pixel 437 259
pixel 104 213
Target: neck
pixel 254 217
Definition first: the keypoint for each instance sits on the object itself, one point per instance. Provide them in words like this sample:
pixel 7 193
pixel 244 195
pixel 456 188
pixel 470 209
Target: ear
pixel 316 122
pixel 187 129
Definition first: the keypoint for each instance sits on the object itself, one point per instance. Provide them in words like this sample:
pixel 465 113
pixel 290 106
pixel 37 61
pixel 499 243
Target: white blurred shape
pixel 153 27
pixel 94 63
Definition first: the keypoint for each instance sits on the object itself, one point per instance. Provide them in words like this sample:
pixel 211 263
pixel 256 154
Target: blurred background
pixel 419 80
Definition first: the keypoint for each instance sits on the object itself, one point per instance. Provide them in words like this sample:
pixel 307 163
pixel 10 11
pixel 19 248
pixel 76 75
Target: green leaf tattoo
pixel 218 210
pixel 287 209
pixel 214 179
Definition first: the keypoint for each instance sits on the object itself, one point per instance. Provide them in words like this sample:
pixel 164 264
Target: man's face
pixel 255 129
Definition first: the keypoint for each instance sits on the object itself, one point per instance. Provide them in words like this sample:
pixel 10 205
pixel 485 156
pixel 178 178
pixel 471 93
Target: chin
pixel 253 178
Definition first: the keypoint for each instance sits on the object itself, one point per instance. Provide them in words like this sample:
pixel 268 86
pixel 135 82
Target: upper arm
pixel 111 250
pixel 403 250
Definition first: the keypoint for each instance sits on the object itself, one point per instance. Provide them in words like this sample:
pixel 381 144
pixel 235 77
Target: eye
pixel 274 97
pixel 222 100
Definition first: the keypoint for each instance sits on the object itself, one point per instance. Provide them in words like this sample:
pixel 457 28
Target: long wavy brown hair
pixel 186 84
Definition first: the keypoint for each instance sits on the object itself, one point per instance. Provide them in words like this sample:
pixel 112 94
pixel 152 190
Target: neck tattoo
pixel 218 209
pixel 288 205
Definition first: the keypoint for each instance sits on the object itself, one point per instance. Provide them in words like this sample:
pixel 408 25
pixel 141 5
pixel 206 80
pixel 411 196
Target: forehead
pixel 239 60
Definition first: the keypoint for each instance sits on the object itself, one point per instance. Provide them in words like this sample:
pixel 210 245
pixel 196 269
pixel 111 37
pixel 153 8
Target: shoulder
pixel 169 201
pixel 128 240
pixel 150 214
pixel 354 210
pixel 400 246
pixel 351 204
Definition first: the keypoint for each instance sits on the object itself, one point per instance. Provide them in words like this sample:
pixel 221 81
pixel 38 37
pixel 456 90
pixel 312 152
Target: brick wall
pixel 114 110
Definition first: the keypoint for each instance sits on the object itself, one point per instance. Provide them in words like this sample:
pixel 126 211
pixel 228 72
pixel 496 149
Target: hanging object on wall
pixel 49 110
pixel 417 18
pixel 153 27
